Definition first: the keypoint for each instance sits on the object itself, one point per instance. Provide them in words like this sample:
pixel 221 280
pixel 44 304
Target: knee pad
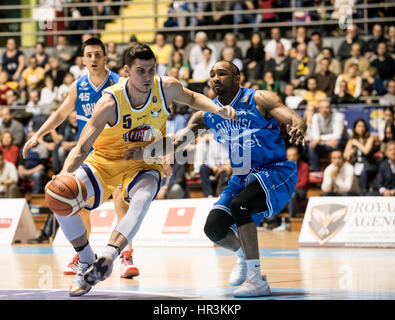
pixel 241 212
pixel 217 224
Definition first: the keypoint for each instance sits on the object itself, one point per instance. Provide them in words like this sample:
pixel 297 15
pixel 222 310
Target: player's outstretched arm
pixel 269 102
pixel 174 91
pixel 54 120
pixel 103 113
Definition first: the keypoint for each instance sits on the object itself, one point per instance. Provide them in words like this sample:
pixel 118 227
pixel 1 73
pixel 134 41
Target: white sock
pixel 240 255
pixel 86 255
pixel 110 251
pixel 254 265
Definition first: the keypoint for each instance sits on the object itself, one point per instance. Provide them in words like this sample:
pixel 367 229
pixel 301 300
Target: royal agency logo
pixel 326 220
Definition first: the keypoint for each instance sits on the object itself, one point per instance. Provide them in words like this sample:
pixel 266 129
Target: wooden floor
pixel 35 272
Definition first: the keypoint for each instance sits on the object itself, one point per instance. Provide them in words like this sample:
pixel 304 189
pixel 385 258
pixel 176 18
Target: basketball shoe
pixel 129 270
pixel 239 273
pixel 72 267
pixel 100 270
pixel 79 286
pixel 254 286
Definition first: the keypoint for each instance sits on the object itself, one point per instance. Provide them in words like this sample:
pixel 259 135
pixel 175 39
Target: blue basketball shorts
pixel 278 181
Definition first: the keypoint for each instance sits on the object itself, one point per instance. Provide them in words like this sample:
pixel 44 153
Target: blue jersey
pixel 253 140
pixel 88 95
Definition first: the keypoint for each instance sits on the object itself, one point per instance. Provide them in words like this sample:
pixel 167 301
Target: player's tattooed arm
pixel 269 104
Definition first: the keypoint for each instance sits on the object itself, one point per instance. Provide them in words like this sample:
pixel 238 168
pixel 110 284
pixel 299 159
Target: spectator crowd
pixel 306 73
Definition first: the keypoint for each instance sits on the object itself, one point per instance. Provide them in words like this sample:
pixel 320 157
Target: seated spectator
pixel 371 77
pixel 334 64
pixel 357 58
pixel 33 168
pixel 255 55
pixel 181 45
pixel 391 41
pixel 64 53
pixel 14 126
pixel 270 47
pixel 41 56
pixel 389 135
pixel 344 50
pixel 328 132
pixel 113 57
pixel 8 179
pixel 12 98
pixel 280 65
pixel 308 114
pixel 13 60
pixel 339 178
pixel 343 96
pixel 301 37
pixel 220 17
pixel 212 162
pixel 389 98
pixel 201 71
pixel 9 149
pixel 22 92
pixel 313 96
pixel 301 66
pixel 64 88
pixel 33 105
pixel 326 79
pixel 3 88
pixel 78 69
pixel 367 94
pixel 378 36
pixel 55 72
pixel 70 137
pixel 231 42
pixel 268 83
pixel 49 93
pixel 359 151
pixel 228 54
pixel 196 54
pixel 354 82
pixel 300 192
pixel 388 118
pixel 162 52
pixel 33 74
pixel 316 45
pixel 384 63
pixel 183 72
pixel 386 174
pixel 175 186
pixel 290 98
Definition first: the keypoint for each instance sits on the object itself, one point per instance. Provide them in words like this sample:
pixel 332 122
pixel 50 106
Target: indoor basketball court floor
pixel 35 273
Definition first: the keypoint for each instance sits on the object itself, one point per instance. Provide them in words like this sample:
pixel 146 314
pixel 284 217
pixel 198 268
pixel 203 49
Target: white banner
pixel 349 222
pixel 167 223
pixel 16 221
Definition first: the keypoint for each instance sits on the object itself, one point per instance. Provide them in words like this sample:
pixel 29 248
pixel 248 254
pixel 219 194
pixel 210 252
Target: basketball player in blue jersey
pixel 82 97
pixel 263 180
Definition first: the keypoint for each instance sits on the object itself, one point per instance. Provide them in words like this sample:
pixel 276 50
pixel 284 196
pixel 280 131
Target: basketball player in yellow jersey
pixel 131 113
pixel 82 96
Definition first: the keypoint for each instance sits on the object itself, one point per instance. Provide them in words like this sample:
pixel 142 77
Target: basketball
pixel 65 195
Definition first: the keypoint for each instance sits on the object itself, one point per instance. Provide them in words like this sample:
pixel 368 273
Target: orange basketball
pixel 65 195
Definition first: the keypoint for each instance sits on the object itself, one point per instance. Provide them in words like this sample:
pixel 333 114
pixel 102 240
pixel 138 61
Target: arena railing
pixel 363 21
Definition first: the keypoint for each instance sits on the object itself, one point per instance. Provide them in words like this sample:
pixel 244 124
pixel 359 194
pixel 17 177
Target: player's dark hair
pixel 93 42
pixel 138 51
pixel 233 68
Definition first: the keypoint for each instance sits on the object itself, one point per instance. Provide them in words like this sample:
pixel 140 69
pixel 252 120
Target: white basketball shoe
pixel 239 273
pixel 100 270
pixel 79 286
pixel 254 286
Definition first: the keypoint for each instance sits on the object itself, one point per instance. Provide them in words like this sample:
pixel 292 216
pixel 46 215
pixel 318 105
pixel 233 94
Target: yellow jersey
pixel 135 126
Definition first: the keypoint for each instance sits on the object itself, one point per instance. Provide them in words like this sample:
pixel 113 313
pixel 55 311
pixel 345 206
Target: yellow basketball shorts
pixel 101 176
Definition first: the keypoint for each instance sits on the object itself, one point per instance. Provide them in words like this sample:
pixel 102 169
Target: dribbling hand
pixel 297 134
pixel 33 141
pixel 227 112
